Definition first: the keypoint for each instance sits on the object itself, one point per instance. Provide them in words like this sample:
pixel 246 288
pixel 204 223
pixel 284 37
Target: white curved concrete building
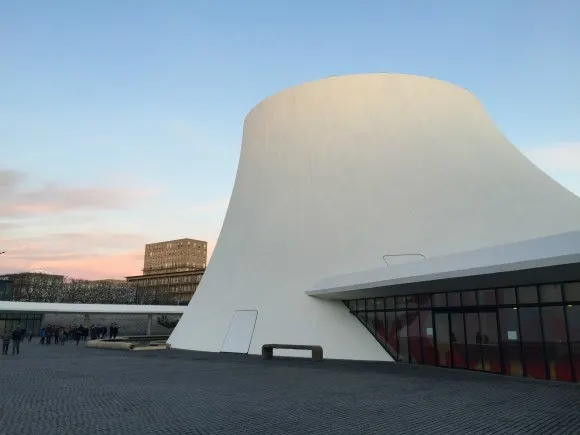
pixel 337 173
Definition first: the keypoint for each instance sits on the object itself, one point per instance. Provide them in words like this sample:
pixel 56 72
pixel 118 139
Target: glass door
pixel 443 340
pixel 490 352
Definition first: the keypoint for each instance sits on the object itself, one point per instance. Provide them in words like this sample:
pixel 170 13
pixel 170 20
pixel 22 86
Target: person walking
pixel 16 337
pixel 29 336
pixel 6 341
pixel 78 334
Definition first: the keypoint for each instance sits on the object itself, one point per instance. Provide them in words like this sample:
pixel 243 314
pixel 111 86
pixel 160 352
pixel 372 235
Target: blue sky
pixel 121 122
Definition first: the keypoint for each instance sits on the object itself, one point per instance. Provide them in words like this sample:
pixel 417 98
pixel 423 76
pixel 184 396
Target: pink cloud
pixel 52 198
pixel 80 266
pixel 95 255
pixel 82 255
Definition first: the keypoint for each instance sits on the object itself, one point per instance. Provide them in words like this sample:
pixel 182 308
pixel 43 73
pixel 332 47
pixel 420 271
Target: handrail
pixel 401 255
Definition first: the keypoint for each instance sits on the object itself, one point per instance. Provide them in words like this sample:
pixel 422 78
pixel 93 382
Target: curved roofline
pixel 344 76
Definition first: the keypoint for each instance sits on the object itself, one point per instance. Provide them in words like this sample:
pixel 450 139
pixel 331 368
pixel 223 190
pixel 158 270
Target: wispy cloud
pixel 52 198
pixel 80 245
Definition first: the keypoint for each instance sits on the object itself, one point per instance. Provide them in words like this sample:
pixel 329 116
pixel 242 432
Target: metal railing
pixel 401 255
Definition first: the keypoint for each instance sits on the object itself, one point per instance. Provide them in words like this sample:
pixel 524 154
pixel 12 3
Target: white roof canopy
pixel 546 259
pixel 45 307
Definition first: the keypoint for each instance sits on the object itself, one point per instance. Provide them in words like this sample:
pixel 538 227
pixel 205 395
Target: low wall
pixel 129 324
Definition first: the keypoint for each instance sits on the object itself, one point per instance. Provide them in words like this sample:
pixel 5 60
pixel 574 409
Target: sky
pixel 121 122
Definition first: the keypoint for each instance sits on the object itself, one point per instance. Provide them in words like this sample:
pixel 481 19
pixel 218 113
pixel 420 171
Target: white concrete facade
pixel 336 173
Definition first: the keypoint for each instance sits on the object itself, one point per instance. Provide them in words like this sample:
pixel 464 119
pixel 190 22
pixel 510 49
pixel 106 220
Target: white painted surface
pixel 240 332
pixel 45 307
pixel 336 173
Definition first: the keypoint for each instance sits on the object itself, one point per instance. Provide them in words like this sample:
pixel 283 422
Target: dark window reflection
pixel 486 297
pixel 572 291
pixel 469 298
pixel 556 342
pixel 531 331
pixel 532 351
pixel 573 315
pixel 510 341
pixel 550 293
pixel 506 296
pixel 439 300
pixel 454 299
pixel 414 332
pixel 528 295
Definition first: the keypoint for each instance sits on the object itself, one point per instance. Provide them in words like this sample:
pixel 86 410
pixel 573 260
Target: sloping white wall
pixel 336 173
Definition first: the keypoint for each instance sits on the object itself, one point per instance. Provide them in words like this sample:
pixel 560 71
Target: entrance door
pixel 239 335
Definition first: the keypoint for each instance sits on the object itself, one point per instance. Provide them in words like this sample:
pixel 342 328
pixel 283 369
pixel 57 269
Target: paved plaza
pixel 54 390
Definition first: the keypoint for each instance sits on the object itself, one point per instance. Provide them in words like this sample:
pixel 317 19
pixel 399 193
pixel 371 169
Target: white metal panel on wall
pixel 333 175
pixel 239 335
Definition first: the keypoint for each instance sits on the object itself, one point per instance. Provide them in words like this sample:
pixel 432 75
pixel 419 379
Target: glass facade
pixel 28 321
pixel 530 331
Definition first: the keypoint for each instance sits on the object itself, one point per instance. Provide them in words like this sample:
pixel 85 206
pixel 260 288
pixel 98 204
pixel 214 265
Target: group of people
pixel 57 334
pixel 16 336
pixel 62 334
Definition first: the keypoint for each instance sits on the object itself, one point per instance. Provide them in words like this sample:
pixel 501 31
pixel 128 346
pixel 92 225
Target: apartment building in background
pixel 172 271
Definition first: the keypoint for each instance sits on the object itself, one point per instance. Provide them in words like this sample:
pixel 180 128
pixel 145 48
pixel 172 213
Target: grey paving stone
pixel 74 390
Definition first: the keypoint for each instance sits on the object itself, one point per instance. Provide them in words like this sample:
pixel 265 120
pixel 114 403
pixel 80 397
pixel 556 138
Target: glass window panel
pixel 528 294
pixel 391 331
pixel 506 296
pixel 414 333
pixel 443 342
pixel 379 304
pixel 390 303
pixel 573 315
pixel 486 297
pixel 402 335
pixel 400 303
pixel 424 301
pixel 458 341
pixel 428 338
pixel 550 293
pixel 489 342
pixel 370 320
pixel 360 305
pixel 412 302
pixel 370 304
pixel 510 341
pixel 556 343
pixel 572 291
pixel 469 298
pixel 454 299
pixel 532 348
pixel 473 339
pixel 380 329
pixel 439 300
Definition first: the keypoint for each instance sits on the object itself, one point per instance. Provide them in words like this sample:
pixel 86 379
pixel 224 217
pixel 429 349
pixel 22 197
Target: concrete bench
pixel 268 350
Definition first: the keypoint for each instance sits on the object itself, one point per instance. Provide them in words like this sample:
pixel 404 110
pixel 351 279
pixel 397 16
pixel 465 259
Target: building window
pixel 530 331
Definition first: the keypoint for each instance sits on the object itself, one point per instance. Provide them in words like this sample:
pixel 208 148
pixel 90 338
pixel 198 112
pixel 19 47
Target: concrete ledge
pixel 103 344
pixel 134 349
